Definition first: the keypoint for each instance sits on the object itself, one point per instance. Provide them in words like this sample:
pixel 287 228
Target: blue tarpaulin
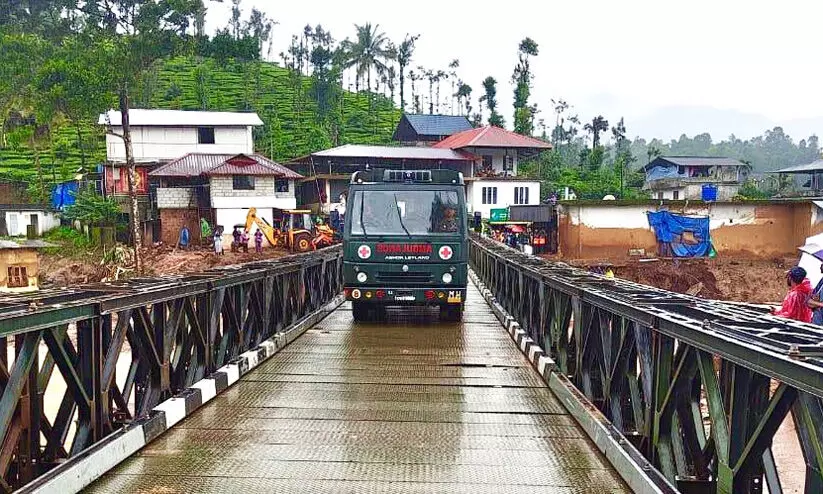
pixel 669 229
pixel 63 195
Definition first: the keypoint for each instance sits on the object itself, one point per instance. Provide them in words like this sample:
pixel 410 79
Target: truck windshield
pixel 405 212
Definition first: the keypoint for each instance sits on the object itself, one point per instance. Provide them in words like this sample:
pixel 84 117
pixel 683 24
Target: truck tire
pixel 451 313
pixel 360 311
pixel 302 242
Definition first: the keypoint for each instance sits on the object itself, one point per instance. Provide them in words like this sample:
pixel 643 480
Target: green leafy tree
pixel 522 79
pixel 93 209
pixel 490 97
pixel 128 37
pixel 65 86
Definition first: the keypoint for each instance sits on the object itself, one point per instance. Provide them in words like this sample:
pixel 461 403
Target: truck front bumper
pixel 406 296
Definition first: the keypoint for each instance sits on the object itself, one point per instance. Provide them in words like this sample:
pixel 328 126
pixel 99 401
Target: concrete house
pixel 683 177
pixel 493 181
pixel 161 136
pixel 220 188
pixel 19 265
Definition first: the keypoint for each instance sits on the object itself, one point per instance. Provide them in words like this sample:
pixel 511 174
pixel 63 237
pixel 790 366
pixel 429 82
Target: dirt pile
pixel 743 280
pixel 58 270
pixel 162 261
pixel 690 277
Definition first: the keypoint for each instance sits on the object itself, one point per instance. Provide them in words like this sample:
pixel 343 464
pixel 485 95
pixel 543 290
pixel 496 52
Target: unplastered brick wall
pixel 174 198
pixel 222 187
pixel 172 221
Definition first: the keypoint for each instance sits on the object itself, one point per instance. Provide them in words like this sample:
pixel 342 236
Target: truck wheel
pixel 302 242
pixel 360 311
pixel 451 313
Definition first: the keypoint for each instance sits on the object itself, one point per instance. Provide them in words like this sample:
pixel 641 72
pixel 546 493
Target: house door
pixel 35 222
pixel 4 230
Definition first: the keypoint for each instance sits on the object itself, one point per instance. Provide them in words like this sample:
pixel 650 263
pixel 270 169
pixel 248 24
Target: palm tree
pixel 597 125
pixel 404 56
pixel 369 51
pixel 453 76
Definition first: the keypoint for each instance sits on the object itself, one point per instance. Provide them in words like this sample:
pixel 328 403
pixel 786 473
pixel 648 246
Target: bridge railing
pixel 78 364
pixel 699 387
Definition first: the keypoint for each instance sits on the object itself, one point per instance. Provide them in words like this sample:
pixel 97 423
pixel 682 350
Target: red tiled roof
pixel 491 137
pixel 196 164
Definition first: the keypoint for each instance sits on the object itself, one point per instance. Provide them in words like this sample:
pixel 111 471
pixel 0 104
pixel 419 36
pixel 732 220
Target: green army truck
pixel 405 242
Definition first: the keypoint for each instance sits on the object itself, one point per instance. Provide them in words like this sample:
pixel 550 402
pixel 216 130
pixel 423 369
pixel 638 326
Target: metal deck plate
pixel 412 405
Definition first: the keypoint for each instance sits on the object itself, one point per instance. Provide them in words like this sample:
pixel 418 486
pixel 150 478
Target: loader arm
pixel 268 230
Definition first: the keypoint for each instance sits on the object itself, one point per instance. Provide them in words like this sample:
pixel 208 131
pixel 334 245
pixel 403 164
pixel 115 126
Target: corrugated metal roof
pixel 437 125
pixel 181 118
pixel 491 137
pixel 815 166
pixel 394 152
pixel 697 161
pixel 196 164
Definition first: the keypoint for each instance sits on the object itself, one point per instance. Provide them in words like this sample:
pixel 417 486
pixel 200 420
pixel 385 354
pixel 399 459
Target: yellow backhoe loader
pixel 293 230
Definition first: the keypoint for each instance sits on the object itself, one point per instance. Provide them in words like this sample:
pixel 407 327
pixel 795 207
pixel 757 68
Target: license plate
pixel 404 298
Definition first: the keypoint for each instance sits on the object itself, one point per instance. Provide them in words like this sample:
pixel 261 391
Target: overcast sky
pixel 646 60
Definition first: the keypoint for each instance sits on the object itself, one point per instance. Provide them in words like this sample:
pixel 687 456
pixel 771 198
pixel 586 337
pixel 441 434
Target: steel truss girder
pixel 698 387
pixel 167 333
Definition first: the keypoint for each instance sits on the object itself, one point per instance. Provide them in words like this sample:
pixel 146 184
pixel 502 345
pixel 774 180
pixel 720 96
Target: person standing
pixel 218 241
pixel 795 304
pixel 258 241
pixel 185 236
pixel 244 241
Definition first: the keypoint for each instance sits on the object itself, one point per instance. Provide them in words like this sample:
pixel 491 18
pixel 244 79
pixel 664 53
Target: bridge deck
pixel 413 406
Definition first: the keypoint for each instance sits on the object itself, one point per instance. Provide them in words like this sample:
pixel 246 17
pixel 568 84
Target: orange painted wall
pixel 747 230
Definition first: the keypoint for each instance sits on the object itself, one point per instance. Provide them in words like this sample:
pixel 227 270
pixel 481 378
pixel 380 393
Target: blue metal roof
pixel 437 125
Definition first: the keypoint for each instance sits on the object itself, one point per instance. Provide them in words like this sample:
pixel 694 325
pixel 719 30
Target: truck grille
pixel 401 277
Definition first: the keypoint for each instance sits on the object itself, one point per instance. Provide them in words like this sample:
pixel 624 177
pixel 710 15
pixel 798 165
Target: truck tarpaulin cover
pixel 669 229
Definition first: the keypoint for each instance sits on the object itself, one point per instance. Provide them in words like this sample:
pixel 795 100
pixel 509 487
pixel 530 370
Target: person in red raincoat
pixel 795 303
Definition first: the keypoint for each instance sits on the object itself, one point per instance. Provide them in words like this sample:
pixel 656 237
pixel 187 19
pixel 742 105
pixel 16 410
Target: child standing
pixel 218 241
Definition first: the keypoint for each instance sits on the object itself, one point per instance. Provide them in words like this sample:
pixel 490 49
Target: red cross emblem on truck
pixel 445 252
pixel 364 252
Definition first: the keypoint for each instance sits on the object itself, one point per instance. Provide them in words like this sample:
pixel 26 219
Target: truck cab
pixel 405 242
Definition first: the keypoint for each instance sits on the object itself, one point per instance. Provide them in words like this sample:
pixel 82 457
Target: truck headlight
pixel 362 277
pixel 447 278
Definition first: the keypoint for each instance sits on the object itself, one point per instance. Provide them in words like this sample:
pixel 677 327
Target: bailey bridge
pixel 254 378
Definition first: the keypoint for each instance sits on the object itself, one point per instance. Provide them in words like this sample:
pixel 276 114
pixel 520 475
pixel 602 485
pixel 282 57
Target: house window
pixel 508 163
pixel 487 160
pixel 521 195
pixel 242 182
pixel 675 195
pixel 205 135
pixel 18 278
pixel 281 185
pixel 489 195
pixel 660 195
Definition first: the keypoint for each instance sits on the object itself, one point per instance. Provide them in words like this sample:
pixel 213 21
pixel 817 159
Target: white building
pixel 493 182
pixel 16 218
pixel 163 135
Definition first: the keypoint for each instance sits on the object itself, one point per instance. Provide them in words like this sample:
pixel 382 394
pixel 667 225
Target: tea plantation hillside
pixel 294 123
